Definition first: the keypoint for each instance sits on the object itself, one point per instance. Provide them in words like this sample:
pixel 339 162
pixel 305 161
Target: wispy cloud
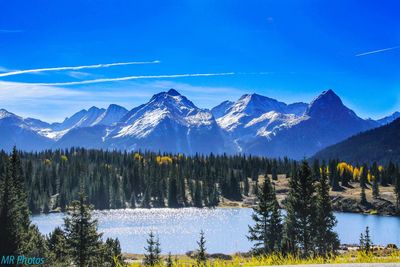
pixel 52 103
pixel 126 78
pixel 3 69
pixel 10 31
pixel 378 51
pixel 10 91
pixel 79 74
pixel 18 72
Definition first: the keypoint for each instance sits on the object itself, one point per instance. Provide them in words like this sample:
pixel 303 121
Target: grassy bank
pixel 379 256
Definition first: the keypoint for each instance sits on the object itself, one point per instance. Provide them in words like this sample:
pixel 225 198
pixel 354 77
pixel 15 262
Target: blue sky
pixel 288 50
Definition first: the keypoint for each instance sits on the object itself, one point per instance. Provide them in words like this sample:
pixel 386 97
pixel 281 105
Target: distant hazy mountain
pixel 91 117
pixel 380 144
pixel 15 130
pixel 170 122
pixel 389 119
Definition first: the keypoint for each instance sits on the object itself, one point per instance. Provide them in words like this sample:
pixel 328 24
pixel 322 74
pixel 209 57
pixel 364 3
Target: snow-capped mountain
pixel 91 117
pixel 170 122
pixel 326 121
pixel 85 118
pixel 254 115
pixel 253 106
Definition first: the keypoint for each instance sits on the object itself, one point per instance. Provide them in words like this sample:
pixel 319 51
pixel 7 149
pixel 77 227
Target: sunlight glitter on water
pixel 225 228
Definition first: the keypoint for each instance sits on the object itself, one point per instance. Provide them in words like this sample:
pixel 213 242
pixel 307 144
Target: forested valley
pixel 113 180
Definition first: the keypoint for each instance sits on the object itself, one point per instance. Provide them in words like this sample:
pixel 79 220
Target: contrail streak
pixel 18 72
pixel 137 77
pixel 377 51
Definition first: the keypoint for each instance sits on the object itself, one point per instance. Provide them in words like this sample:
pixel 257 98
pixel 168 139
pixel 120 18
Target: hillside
pixel 380 144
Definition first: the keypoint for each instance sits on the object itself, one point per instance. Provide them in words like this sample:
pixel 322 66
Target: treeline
pixel 342 175
pixel 115 180
pixel 78 243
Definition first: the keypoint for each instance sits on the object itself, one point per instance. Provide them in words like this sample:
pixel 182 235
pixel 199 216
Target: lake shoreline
pixel 379 207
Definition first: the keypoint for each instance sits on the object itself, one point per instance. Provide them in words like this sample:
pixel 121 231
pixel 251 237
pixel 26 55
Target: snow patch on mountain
pixel 144 125
pixel 5 114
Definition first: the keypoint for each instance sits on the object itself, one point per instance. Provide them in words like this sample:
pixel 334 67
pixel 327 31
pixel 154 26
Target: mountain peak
pixel 257 104
pixel 253 97
pixel 5 113
pixel 115 107
pixel 329 92
pixel 328 96
pixel 94 108
pixel 329 105
pixel 173 92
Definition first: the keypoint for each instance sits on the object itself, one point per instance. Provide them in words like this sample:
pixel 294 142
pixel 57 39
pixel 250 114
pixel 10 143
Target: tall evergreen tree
pixel 290 232
pixel 152 255
pixel 316 169
pixel 326 240
pixel 363 196
pixel 397 191
pixel 17 235
pixel 83 241
pixel 364 176
pixel 198 199
pixel 112 253
pixel 201 256
pixel 173 193
pixel 10 233
pixel 365 241
pixel 274 172
pixel 234 185
pixel 301 209
pixel 146 198
pixel 375 188
pixel 267 230
pixel 57 245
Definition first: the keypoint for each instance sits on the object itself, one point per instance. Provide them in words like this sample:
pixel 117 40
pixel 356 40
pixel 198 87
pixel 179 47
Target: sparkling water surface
pixel 225 228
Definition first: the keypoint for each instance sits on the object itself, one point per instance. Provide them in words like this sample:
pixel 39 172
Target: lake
pixel 225 228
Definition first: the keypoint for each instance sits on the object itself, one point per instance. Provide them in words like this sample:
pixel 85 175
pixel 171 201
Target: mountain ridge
pixel 170 122
pixel 380 144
